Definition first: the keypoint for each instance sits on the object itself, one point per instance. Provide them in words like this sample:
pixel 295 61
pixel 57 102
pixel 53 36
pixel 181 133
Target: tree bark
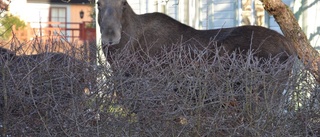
pixel 291 29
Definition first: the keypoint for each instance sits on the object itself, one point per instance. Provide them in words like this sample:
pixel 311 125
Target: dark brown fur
pixel 155 30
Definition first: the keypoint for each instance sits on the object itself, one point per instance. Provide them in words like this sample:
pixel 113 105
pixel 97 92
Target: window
pixel 58 14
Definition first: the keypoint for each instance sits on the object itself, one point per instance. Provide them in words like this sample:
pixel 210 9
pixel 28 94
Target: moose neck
pixel 131 24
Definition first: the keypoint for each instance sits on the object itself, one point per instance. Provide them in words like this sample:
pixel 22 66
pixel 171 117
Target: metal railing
pixel 68 31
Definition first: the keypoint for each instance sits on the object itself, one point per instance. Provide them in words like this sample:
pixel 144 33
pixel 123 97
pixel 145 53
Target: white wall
pixel 311 22
pixel 18 8
pixel 135 5
pixel 34 12
pixel 224 12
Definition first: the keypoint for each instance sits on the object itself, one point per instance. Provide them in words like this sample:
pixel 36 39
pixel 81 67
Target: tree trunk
pixel 291 29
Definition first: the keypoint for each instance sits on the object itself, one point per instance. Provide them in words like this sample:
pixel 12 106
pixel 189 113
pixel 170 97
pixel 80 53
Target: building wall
pixel 36 14
pixel 75 13
pixel 30 12
pixel 310 21
pixel 202 14
pixel 223 14
pixel 39 12
pixel 16 6
pixel 75 16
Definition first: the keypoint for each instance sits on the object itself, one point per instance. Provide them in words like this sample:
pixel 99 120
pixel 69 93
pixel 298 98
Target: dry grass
pixel 177 94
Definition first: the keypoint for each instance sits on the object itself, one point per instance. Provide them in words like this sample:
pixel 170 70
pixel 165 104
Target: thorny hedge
pixel 177 94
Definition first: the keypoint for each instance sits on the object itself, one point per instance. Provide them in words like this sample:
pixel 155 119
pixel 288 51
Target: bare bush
pixel 43 94
pixel 189 92
pixel 184 92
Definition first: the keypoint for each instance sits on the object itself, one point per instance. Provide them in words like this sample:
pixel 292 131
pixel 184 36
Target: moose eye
pixel 124 3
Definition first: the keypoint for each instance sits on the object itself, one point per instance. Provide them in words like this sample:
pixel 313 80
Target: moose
pixel 148 34
pixel 121 26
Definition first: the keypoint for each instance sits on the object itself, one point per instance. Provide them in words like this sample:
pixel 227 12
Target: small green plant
pixel 6 23
pixel 93 16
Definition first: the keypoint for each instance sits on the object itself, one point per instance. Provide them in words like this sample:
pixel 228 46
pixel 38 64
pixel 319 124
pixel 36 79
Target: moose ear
pixel 124 3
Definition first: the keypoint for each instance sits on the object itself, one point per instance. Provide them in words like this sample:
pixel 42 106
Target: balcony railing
pixel 68 31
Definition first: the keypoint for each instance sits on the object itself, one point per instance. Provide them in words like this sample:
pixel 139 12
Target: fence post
pixel 82 34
